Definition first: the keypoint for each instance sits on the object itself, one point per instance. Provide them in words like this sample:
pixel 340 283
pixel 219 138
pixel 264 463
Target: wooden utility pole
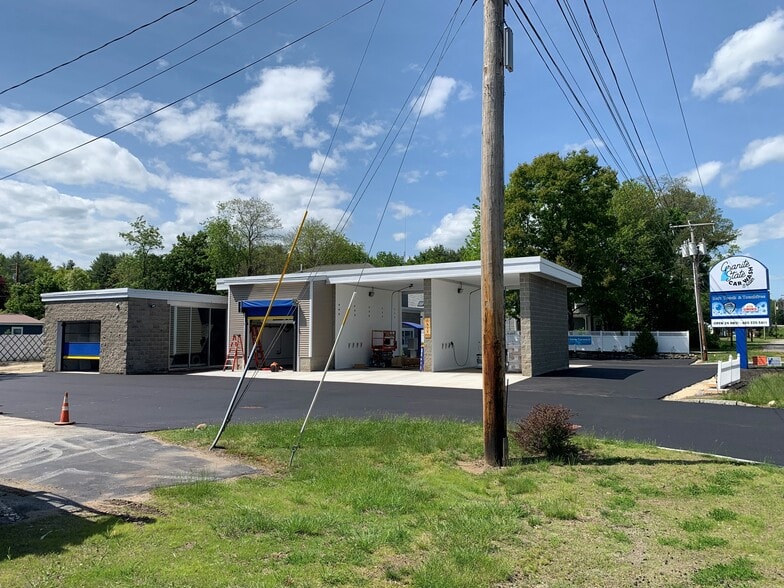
pixel 491 212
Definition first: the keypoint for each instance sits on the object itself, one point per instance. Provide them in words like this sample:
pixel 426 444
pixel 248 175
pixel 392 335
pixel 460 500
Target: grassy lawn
pixel 761 391
pixel 408 503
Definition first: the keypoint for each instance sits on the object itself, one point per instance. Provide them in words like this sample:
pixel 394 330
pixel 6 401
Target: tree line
pixel 243 238
pixel 567 209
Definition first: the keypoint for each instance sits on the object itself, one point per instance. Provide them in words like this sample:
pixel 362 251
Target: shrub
pixel 546 430
pixel 645 344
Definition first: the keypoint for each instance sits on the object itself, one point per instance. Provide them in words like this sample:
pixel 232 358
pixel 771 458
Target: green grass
pixel 409 503
pixel 760 391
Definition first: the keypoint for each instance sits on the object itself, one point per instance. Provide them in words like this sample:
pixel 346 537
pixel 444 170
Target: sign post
pixel 739 298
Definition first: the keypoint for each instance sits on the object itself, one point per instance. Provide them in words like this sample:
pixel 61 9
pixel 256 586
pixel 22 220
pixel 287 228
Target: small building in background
pixel 129 331
pixel 20 324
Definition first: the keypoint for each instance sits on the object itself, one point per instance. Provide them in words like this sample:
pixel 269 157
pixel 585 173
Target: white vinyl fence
pixel 21 347
pixel 609 341
pixel 728 372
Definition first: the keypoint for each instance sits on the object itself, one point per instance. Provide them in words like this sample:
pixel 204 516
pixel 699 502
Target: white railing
pixel 609 341
pixel 728 372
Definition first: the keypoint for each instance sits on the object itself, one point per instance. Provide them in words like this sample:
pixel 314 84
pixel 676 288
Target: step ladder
pixel 236 354
pixel 258 354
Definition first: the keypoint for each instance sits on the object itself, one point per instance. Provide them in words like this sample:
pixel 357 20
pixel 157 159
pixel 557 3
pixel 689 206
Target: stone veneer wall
pixel 113 316
pixel 544 325
pixel 147 343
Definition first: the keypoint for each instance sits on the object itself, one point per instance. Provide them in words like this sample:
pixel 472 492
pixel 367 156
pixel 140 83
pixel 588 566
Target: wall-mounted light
pixel 153 305
pixel 372 292
pixel 460 288
pixel 117 305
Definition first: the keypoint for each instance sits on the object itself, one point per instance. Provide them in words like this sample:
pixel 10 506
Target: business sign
pixel 582 340
pixel 740 309
pixel 738 274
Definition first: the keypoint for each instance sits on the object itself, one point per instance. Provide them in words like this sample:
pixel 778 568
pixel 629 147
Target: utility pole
pixel 693 249
pixel 491 213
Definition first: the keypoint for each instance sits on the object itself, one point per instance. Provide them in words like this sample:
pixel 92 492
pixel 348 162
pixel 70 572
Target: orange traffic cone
pixel 65 415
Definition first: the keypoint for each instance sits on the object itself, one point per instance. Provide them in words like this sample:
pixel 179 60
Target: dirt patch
pixel 21 367
pixel 475 467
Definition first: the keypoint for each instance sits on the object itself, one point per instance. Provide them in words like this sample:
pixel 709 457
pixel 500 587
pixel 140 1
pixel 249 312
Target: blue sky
pixel 266 131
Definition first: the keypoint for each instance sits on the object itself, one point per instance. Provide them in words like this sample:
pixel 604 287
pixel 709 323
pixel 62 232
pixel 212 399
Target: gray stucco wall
pixel 544 325
pixel 113 316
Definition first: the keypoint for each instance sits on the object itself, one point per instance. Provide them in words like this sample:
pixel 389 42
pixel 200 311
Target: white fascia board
pixel 186 298
pixel 223 284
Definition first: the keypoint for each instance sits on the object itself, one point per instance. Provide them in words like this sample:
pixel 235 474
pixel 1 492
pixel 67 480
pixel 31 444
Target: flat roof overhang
pixel 412 277
pixel 173 298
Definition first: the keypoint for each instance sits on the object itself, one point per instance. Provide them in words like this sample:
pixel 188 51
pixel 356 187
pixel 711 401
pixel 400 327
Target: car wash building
pixel 129 331
pixel 441 331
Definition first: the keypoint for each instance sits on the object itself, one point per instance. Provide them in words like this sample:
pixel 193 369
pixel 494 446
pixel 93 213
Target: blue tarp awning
pixel 280 308
pixel 412 325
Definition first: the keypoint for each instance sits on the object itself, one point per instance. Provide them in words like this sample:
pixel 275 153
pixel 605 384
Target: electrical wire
pixel 96 49
pixel 621 94
pixel 191 94
pixel 142 82
pixel 596 132
pixel 601 84
pixel 636 89
pixel 678 97
pixel 128 73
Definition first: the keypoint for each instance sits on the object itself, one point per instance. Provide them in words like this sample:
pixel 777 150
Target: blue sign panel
pixel 740 309
pixel 580 340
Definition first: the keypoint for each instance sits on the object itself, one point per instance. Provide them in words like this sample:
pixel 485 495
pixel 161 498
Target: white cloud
pixel 763 151
pixel 435 101
pixel 743 201
pixel 768 230
pixel 319 162
pixel 399 236
pixel 282 102
pixel 226 10
pixel 61 226
pixel 589 144
pixel 100 161
pixel 361 135
pixel 452 231
pixel 401 210
pixel 740 57
pixel 465 91
pixel 412 177
pixel 171 125
pixel 708 172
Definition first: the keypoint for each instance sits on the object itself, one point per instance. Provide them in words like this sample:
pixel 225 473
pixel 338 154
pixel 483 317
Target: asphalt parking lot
pixel 620 399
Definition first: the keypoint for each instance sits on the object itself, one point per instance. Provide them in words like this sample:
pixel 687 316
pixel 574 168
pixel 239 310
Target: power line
pixel 620 92
pixel 636 90
pixel 191 94
pixel 86 53
pixel 595 125
pixel 601 84
pixel 145 80
pixel 132 71
pixel 678 97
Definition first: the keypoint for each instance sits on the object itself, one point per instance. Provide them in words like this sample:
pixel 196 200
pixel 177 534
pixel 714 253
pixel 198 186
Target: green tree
pixel 559 208
pixel 186 268
pixel 102 268
pixel 436 254
pixel 25 298
pixel 319 245
pixel 143 239
pixel 73 278
pixel 238 231
pixel 387 259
